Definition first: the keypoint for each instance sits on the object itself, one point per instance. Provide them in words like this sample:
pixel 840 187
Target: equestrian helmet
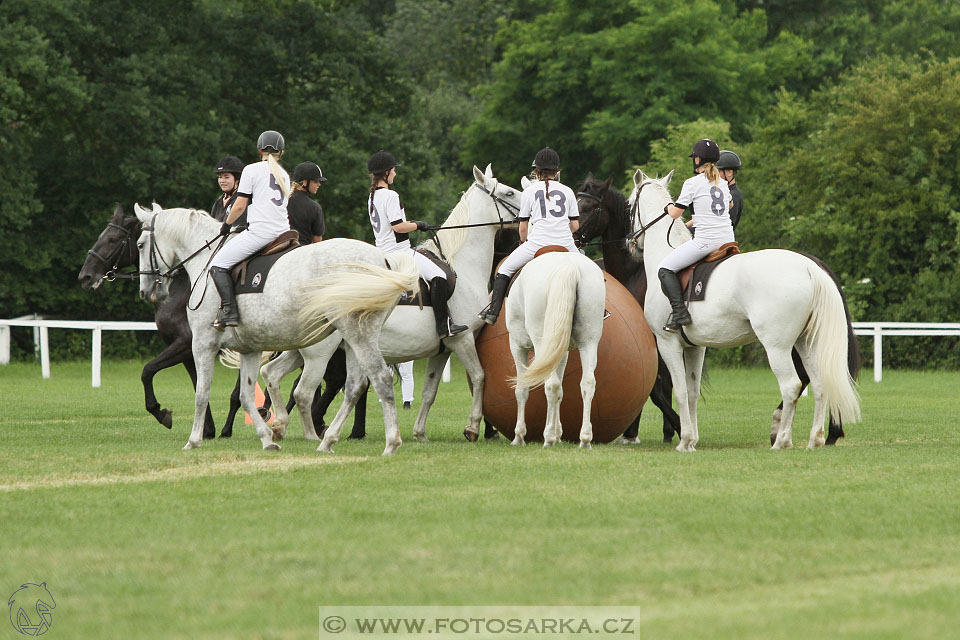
pixel 230 164
pixel 707 150
pixel 728 160
pixel 308 171
pixel 382 161
pixel 547 159
pixel 270 141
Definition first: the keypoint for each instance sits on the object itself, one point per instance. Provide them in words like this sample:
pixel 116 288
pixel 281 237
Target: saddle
pixel 259 264
pixel 550 248
pixel 693 279
pixel 422 297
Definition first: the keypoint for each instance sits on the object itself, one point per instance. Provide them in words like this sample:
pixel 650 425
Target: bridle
pixel 634 237
pixel 595 214
pixel 126 245
pixel 156 257
pixel 497 202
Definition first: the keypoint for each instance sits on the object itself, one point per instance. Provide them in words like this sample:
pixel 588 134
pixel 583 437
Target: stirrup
pixel 675 321
pixel 222 323
pixel 451 329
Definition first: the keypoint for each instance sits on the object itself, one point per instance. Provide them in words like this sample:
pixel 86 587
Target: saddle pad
pixel 422 297
pixel 697 286
pixel 253 278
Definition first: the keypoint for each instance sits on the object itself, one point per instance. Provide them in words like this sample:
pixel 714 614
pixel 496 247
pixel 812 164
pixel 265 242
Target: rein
pixel 497 201
pixel 175 269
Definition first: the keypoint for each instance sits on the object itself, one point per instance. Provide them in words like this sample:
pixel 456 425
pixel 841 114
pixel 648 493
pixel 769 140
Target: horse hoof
pixel 312 436
pixel 622 440
pixel 493 436
pixel 277 433
pixel 228 434
pixel 191 445
pixel 471 436
pixel 586 445
pixel 548 444
pixel 357 436
pixel 391 448
pixel 518 442
pixel 273 446
pixel 166 418
pixel 685 447
pixel 421 437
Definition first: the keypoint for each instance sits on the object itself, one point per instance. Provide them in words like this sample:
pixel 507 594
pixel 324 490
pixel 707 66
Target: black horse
pixel 605 214
pixel 115 249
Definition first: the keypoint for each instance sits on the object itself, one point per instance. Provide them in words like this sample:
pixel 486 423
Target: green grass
pixel 138 539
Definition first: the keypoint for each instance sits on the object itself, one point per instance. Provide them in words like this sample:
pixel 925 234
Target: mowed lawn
pixel 138 539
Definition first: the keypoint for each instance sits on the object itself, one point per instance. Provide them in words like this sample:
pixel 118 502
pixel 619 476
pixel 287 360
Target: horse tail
pixel 828 335
pixel 561 297
pixel 231 359
pixel 355 288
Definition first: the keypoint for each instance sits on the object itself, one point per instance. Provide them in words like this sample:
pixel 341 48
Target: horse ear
pixel 608 182
pixel 638 177
pixel 666 179
pixel 479 175
pixel 142 213
pixel 524 182
pixel 156 208
pixel 117 213
pixel 489 171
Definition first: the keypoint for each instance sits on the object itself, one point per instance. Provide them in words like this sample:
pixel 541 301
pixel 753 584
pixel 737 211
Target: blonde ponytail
pixel 711 172
pixel 278 172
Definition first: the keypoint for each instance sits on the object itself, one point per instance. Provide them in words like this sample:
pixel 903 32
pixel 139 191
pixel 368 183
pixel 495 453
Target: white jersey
pixel 267 209
pixel 387 211
pixel 549 216
pixel 711 208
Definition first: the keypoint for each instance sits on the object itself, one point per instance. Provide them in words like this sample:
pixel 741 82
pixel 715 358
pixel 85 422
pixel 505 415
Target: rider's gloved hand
pixel 225 229
pixel 422 226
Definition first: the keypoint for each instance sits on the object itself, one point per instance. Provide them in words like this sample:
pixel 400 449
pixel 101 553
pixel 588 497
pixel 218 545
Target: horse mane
pixel 453 240
pixel 182 223
pixel 678 232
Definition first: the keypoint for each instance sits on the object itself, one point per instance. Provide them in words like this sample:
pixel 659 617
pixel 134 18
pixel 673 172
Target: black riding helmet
pixel 270 141
pixel 728 160
pixel 547 159
pixel 707 150
pixel 381 162
pixel 308 171
pixel 230 164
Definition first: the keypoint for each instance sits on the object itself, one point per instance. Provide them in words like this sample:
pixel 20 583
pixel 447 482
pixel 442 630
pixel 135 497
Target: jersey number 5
pixel 276 187
pixel 560 206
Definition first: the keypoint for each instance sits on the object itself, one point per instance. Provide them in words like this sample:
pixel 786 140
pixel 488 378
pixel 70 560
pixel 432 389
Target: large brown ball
pixel 626 371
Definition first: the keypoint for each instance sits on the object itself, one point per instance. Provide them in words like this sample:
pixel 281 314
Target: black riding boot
pixel 670 284
pixel 438 298
pixel 229 316
pixel 492 312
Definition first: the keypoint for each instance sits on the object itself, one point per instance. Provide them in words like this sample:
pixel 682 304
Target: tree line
pixel 844 114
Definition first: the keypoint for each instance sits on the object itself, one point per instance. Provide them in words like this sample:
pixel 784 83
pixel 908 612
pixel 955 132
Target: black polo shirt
pixel 306 216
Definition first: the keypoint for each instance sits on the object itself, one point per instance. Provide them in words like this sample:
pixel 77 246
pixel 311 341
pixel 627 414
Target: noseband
pixel 125 245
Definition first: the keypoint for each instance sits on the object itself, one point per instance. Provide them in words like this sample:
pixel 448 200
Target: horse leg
pixel 204 350
pixel 673 357
pixel 431 383
pixel 471 363
pixel 360 414
pixel 249 368
pixel 782 365
pixel 693 363
pixel 588 386
pixel 306 390
pixel 820 410
pixel 273 372
pixel 553 388
pixel 489 431
pixel 227 430
pixel 175 353
pixel 209 426
pixel 522 393
pixel 804 381
pixel 661 396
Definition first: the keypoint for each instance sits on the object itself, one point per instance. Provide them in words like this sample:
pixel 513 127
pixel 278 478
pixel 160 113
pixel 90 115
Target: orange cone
pixel 259 399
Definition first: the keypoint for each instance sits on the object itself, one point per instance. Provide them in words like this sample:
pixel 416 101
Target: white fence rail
pixel 875 329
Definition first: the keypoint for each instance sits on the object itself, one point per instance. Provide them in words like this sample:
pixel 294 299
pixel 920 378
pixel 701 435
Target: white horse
pixel 778 297
pixel 340 285
pixel 410 332
pixel 555 304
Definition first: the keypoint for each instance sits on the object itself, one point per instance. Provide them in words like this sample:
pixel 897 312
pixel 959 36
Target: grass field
pixel 138 539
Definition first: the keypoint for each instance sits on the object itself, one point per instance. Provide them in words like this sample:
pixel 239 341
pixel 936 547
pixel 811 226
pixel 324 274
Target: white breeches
pixel 688 253
pixel 524 254
pixel 243 246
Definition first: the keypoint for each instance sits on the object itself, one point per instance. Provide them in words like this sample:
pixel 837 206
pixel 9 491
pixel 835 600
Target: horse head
pixel 647 202
pixel 114 249
pixel 594 210
pixel 505 200
pixel 152 283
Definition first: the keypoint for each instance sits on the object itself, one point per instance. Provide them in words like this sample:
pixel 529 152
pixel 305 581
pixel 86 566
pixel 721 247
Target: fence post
pixel 4 344
pixel 97 335
pixel 877 354
pixel 44 353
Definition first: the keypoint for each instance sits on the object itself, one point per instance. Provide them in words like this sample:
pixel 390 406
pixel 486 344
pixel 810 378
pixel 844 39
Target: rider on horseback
pixel 385 206
pixel 549 209
pixel 710 198
pixel 265 186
